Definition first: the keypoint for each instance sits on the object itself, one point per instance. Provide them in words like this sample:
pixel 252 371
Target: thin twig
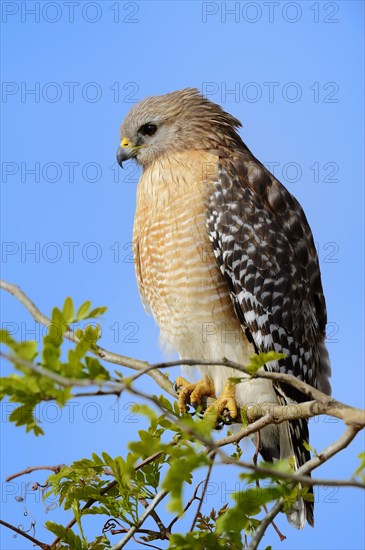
pixel 31 469
pixel 268 414
pixel 303 387
pixel 61 380
pixel 350 415
pixel 300 475
pixel 201 499
pixel 99 393
pixel 163 530
pixel 254 460
pixel 108 356
pixel 161 495
pixel 110 486
pixel 341 443
pixel 265 522
pixel 143 543
pixel 210 444
pixel 215 446
pixel 294 477
pixel 42 545
pixel 187 506
pixel 272 413
pixel 153 370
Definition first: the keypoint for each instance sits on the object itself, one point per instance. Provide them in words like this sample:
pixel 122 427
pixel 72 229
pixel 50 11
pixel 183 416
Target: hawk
pixel 226 262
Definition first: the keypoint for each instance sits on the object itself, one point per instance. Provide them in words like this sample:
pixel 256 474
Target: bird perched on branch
pixel 225 259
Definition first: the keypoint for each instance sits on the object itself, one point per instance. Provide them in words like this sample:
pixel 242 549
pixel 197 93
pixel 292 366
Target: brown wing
pixel 265 250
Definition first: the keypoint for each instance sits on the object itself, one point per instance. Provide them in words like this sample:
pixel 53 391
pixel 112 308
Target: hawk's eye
pixel 148 129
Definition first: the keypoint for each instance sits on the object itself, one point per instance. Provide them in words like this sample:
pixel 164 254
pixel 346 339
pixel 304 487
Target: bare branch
pixel 62 380
pixel 187 506
pixel 99 393
pixel 276 414
pixel 254 427
pixel 294 476
pixel 341 443
pixel 110 486
pixel 161 495
pixel 31 469
pixel 163 530
pixel 201 499
pixel 350 415
pixel 36 542
pixel 273 413
pixel 88 504
pixel 264 524
pixel 303 387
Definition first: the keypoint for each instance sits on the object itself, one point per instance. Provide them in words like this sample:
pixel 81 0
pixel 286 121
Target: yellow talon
pixel 226 401
pixel 193 393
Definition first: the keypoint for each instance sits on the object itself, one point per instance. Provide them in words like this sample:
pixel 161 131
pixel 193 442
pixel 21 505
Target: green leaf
pixel 57 318
pixel 360 471
pixel 68 310
pixel 76 511
pixel 92 333
pixel 24 416
pixel 6 338
pixel 203 540
pixel 184 460
pixel 97 312
pixel 149 443
pixel 248 503
pixel 284 465
pixel 26 350
pixel 244 417
pixel 83 311
pixel 100 543
pixel 258 361
pixel 236 379
pixel 96 369
pixel 307 446
pixel 66 535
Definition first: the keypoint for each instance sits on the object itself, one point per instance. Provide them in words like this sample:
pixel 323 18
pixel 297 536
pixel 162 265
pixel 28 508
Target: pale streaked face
pixel 173 122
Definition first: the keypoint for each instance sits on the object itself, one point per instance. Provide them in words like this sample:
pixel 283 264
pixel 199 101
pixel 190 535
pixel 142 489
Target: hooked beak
pixel 125 153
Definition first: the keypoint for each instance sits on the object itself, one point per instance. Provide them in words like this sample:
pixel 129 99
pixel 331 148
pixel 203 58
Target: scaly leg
pixel 193 393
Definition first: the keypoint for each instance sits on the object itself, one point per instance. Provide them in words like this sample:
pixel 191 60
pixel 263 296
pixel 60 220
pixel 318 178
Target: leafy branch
pixel 168 454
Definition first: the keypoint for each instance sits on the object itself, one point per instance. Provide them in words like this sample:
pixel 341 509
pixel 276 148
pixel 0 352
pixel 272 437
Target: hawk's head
pixel 174 122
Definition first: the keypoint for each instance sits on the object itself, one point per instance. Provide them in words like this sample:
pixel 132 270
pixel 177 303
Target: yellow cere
pixel 124 142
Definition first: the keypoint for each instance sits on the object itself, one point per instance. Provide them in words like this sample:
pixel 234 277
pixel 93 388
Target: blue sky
pixel 291 72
